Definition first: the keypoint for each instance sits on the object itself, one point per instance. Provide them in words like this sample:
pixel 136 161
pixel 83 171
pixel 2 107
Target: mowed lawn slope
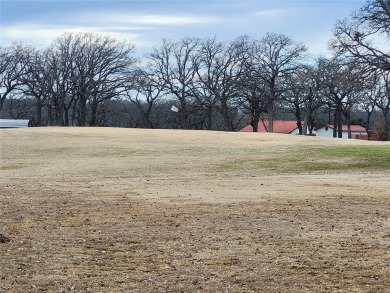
pixel 130 210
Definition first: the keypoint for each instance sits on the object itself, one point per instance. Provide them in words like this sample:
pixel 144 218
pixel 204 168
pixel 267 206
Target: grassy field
pixel 130 210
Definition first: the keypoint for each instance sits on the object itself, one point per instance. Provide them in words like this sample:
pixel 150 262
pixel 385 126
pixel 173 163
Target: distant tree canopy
pixel 87 79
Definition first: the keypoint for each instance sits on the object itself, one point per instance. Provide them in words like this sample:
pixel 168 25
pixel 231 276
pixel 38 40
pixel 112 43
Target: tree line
pixel 88 79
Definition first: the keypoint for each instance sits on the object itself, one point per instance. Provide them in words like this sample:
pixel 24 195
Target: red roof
pixel 279 126
pixel 354 128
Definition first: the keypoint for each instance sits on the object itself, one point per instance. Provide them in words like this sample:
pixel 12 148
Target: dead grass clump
pixel 4 239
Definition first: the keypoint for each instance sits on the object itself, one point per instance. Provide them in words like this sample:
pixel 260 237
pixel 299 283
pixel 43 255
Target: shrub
pixel 379 131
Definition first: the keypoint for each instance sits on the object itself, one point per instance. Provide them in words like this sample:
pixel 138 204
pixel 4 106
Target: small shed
pixel 13 123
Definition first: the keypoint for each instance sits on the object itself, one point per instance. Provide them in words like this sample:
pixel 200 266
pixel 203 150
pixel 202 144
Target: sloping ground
pixel 124 210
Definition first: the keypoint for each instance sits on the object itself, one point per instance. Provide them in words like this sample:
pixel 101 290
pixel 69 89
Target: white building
pixel 357 131
pixel 13 123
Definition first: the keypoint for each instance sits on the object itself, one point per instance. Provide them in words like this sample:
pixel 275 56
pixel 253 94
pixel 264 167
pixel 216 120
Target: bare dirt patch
pixel 121 210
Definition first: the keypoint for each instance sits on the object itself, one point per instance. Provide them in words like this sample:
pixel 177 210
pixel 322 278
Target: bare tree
pixel 216 85
pixel 295 95
pixel 340 82
pixel 368 105
pixel 143 91
pixel 48 83
pixel 18 106
pixel 13 66
pixel 253 99
pixel 353 36
pixel 383 99
pixel 254 91
pixel 59 67
pixel 173 64
pixel 205 88
pixel 95 67
pixel 277 56
pixel 231 71
pixel 113 66
pixel 313 99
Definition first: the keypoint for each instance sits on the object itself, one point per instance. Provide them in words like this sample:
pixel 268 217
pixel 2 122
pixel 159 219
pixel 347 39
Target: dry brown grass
pixel 124 210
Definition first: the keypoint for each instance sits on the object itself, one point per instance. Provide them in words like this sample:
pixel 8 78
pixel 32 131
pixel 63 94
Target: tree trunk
pixel 368 122
pixel 270 110
pixel 74 120
pixel 305 126
pixel 311 125
pixel 183 113
pixel 226 115
pixel 49 117
pixel 386 114
pixel 339 125
pixel 299 120
pixel 66 109
pixel 2 99
pixel 308 122
pixel 209 118
pixel 82 105
pixel 94 107
pixel 39 113
pixel 335 124
pixel 58 116
pixel 255 123
pixel 66 116
pixel 256 117
pixel 349 130
pixel 347 115
pixel 147 122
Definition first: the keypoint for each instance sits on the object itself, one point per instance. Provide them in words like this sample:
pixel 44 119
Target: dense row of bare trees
pixel 355 38
pixel 76 71
pixel 90 79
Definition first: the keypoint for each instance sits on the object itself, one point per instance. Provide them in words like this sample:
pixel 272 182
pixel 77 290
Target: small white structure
pixel 13 123
pixel 357 131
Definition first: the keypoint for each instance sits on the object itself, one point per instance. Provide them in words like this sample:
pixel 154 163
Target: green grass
pixel 329 158
pixel 356 157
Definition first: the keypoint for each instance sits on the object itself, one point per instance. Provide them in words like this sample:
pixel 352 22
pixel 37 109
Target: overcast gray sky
pixel 39 22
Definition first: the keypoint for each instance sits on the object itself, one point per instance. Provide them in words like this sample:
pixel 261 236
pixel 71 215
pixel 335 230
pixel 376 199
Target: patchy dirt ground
pixel 121 210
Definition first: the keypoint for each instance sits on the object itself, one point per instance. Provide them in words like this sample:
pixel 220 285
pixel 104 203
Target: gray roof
pixel 13 123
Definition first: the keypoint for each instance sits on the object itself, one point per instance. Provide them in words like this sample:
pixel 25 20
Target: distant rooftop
pixel 279 126
pixel 354 128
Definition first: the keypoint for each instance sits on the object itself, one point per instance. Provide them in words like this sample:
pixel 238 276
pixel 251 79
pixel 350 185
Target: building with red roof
pixel 357 131
pixel 290 127
pixel 280 126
